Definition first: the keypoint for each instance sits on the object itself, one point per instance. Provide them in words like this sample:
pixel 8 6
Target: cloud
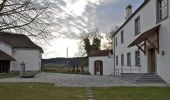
pixel 58 48
pixel 78 16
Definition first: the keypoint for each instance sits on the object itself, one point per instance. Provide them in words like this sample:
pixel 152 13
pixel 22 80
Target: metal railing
pixel 127 69
pixel 131 68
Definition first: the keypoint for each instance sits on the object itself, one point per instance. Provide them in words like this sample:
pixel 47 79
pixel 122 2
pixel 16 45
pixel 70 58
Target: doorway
pixel 152 61
pixel 98 67
pixel 4 66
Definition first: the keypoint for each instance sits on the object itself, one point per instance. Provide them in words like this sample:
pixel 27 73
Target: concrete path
pixel 73 80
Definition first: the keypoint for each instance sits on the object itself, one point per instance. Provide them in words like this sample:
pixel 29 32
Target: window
pixel 122 60
pixel 116 42
pixel 129 59
pixel 137 26
pixel 162 10
pixel 117 60
pixel 122 37
pixel 137 58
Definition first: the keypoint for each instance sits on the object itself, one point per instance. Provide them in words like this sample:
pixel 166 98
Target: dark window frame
pixel 129 59
pixel 122 36
pixel 122 59
pixel 137 58
pixel 158 11
pixel 116 42
pixel 137 26
pixel 117 60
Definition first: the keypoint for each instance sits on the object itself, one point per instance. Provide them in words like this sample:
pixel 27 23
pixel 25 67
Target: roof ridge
pixel 11 33
pixel 18 40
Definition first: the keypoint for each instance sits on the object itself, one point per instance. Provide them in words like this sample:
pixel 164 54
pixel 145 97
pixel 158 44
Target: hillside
pixel 64 61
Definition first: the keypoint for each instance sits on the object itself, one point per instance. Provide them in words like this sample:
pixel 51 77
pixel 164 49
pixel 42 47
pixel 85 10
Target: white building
pixel 142 43
pixel 101 63
pixel 16 49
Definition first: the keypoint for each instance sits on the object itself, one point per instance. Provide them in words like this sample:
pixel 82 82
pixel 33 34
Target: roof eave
pixel 138 9
pixel 40 49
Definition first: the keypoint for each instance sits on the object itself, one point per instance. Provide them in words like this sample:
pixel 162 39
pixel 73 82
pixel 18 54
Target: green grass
pixel 45 91
pixel 132 93
pixel 8 75
pixel 39 91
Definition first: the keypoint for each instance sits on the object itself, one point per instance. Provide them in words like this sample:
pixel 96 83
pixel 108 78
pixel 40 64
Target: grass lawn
pixel 8 75
pixel 132 93
pixel 44 91
pixel 39 91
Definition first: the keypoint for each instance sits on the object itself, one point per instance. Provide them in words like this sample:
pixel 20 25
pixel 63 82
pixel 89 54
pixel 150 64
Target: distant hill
pixel 64 61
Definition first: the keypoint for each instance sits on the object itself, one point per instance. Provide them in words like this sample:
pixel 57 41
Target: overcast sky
pixel 79 16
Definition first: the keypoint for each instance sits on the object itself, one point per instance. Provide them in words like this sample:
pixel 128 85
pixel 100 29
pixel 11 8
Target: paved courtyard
pixel 73 80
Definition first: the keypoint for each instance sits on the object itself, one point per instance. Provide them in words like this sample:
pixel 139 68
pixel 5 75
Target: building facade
pixel 101 63
pixel 142 43
pixel 16 49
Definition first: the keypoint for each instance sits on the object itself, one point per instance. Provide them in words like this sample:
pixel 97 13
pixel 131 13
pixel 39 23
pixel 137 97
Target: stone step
pixel 150 81
pixel 142 78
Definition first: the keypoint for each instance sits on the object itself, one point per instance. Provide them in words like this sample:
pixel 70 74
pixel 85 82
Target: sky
pixel 77 17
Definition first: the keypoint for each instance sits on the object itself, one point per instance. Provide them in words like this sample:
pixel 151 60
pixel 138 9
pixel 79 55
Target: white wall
pixel 108 64
pixel 163 61
pixel 147 20
pixel 6 48
pixel 32 59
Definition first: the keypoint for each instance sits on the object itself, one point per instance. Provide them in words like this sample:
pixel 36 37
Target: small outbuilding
pixel 101 62
pixel 16 49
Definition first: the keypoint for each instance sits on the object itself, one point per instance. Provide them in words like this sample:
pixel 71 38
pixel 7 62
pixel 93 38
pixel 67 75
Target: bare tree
pixel 107 44
pixel 30 17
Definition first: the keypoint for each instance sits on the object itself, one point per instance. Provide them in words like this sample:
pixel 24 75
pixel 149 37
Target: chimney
pixel 128 11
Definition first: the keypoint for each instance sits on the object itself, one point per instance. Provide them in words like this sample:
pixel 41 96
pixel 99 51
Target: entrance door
pixel 152 61
pixel 98 67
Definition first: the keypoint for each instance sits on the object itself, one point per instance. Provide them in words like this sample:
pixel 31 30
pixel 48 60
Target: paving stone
pixel 73 80
pixel 90 96
pixel 89 93
pixel 90 99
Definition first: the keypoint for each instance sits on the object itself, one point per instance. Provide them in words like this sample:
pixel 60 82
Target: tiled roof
pixel 100 53
pixel 4 56
pixel 18 41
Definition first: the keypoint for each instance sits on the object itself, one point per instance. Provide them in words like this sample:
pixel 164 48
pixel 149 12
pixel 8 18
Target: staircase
pixel 142 78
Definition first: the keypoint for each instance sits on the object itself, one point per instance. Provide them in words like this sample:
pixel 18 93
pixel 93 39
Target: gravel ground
pixel 74 80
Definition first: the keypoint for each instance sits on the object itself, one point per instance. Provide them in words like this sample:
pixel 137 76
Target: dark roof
pixel 18 41
pixel 137 10
pixel 144 36
pixel 100 53
pixel 4 56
